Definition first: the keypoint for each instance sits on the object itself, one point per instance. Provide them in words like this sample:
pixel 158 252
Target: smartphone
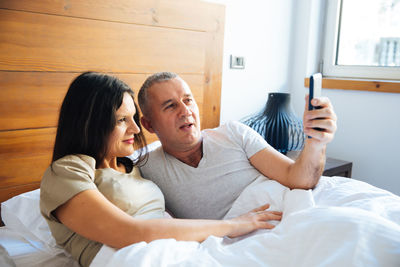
pixel 315 88
pixel 315 91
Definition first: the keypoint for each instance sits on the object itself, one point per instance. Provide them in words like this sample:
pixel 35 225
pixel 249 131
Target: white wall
pixel 281 42
pixel 260 31
pixel 368 135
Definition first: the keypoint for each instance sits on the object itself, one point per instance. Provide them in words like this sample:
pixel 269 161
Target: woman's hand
pixel 255 219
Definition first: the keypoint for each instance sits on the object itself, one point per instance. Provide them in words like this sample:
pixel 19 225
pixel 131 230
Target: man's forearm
pixel 307 169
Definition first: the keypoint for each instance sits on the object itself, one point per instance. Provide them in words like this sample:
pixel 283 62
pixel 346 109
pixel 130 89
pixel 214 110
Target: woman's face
pixel 120 143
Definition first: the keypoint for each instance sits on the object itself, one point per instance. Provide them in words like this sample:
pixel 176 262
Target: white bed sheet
pixel 343 222
pixel 26 250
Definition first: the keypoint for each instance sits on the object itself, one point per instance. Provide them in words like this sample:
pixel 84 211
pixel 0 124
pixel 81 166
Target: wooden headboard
pixel 45 44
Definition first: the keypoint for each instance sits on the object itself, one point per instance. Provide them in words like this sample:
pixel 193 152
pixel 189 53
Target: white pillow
pixel 150 147
pixel 22 214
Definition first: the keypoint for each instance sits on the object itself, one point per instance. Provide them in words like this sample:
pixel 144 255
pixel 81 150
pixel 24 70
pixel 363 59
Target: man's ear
pixel 146 124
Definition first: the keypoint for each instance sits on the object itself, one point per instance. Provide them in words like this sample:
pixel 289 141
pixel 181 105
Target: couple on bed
pixel 94 194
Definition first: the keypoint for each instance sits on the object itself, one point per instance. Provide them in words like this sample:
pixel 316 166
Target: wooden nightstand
pixel 336 167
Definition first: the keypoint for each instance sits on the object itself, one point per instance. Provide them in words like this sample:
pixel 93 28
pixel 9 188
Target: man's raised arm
pixel 307 169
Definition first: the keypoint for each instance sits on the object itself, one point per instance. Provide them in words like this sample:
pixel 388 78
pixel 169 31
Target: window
pixel 362 39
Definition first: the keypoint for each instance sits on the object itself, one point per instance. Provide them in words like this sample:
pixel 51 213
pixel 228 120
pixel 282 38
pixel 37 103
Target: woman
pixel 93 195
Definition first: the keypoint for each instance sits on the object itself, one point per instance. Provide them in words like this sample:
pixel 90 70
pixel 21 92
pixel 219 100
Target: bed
pixel 342 222
pixel 44 44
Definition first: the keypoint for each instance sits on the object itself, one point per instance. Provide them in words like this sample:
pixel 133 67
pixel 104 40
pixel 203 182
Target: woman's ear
pixel 146 124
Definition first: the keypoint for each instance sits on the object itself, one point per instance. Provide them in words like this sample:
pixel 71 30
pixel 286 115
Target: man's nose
pixel 184 110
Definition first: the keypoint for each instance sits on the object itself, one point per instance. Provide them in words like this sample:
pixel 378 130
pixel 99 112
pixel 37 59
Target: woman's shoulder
pixel 72 165
pixel 76 159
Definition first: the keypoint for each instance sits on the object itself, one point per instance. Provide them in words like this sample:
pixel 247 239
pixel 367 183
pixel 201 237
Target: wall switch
pixel 237 62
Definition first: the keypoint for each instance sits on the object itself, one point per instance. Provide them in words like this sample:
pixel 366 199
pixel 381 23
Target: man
pixel 201 173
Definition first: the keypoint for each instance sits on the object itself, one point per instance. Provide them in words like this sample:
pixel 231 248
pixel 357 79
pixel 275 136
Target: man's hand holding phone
pixel 319 120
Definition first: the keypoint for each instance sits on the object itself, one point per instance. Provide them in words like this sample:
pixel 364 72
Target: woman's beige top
pixel 73 174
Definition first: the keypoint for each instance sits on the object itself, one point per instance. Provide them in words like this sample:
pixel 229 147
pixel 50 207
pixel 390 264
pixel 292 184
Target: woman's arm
pixel 91 215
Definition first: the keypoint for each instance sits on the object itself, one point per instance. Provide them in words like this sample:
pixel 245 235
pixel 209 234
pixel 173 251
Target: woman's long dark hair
pixel 87 117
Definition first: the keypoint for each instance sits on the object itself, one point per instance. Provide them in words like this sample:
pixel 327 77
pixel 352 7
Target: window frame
pixel 331 41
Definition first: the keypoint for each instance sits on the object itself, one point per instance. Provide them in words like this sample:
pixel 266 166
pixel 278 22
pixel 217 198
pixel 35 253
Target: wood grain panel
pixel 187 14
pixel 213 75
pixel 24 155
pixel 37 42
pixel 9 192
pixel 33 99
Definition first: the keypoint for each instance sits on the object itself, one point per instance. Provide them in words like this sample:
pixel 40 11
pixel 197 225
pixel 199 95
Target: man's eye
pixel 122 120
pixel 188 100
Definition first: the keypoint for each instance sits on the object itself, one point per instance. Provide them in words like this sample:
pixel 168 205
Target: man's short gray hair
pixel 149 82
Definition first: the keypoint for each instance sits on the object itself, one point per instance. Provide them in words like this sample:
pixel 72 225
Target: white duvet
pixel 342 222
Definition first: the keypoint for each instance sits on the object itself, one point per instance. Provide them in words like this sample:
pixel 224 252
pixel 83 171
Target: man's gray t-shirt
pixel 208 191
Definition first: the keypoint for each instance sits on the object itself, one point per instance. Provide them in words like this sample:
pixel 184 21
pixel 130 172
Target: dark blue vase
pixel 278 124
